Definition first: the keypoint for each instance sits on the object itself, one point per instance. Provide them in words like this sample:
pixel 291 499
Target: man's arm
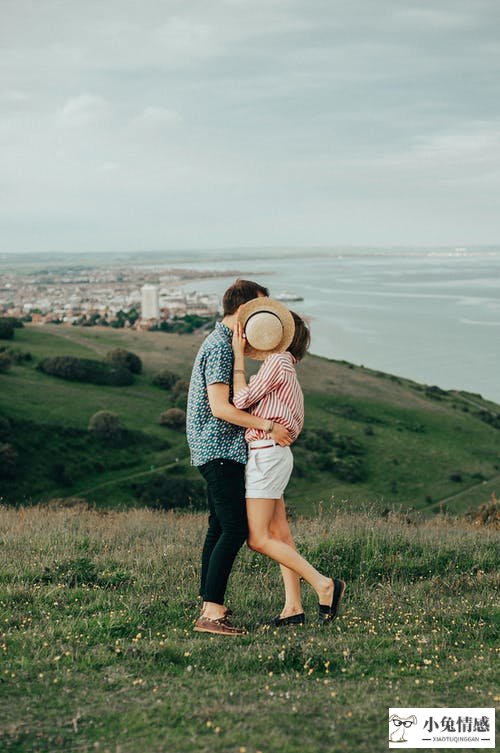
pixel 218 397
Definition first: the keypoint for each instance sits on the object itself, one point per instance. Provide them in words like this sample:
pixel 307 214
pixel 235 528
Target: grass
pixel 98 651
pixel 420 446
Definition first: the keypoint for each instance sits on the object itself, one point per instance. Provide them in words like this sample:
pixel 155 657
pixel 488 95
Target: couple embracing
pixel 239 434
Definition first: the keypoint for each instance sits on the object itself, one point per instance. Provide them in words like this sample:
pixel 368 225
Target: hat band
pixel 263 311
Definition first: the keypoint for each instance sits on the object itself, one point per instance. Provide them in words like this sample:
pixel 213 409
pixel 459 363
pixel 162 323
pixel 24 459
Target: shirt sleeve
pixel 268 378
pixel 219 366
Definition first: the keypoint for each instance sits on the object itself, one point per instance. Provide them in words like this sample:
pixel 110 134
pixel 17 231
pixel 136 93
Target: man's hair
pixel 241 292
pixel 301 339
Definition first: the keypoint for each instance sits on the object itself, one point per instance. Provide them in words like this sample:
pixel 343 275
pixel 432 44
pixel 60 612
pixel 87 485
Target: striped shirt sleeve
pixel 267 379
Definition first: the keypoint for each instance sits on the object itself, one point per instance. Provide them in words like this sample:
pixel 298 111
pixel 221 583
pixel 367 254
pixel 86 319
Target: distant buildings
pixel 103 296
pixel 150 304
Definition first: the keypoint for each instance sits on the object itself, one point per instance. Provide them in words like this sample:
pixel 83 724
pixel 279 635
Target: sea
pixel 431 315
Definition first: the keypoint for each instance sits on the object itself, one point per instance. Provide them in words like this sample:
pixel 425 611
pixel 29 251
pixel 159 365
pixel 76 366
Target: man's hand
pixel 281 435
pixel 239 341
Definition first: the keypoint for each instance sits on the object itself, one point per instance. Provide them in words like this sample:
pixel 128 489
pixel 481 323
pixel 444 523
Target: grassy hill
pixel 98 652
pixel 369 436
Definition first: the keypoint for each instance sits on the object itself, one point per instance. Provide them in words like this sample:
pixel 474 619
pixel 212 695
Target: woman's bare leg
pixel 260 513
pixel 280 529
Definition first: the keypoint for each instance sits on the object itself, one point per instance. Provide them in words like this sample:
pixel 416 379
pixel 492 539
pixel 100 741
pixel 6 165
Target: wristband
pixel 270 427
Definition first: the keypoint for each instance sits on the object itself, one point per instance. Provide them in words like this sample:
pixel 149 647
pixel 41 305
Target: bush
pixel 8 461
pixel 350 468
pixel 18 323
pixel 168 492
pixel 6 329
pixel 5 429
pixel 435 392
pixel 180 393
pixel 16 355
pixel 121 358
pixel 165 379
pixel 60 474
pixel 5 362
pixel 174 418
pixel 339 454
pixel 85 370
pixel 106 425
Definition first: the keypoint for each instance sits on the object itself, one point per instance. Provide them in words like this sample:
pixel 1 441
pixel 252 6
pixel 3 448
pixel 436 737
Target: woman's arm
pixel 218 396
pixel 239 342
pixel 267 379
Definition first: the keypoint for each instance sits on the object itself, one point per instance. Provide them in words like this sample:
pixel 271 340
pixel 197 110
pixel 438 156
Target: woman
pixel 274 393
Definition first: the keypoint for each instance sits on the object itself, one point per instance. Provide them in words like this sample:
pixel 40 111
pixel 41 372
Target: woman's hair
pixel 301 339
pixel 241 292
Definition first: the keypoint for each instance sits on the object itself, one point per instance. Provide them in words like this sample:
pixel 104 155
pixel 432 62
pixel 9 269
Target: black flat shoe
pixel 294 619
pixel 327 613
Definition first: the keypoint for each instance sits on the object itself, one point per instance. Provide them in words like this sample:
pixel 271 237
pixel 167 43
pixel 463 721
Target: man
pixel 215 434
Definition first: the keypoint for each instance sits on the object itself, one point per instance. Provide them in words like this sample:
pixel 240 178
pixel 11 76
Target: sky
pixel 128 126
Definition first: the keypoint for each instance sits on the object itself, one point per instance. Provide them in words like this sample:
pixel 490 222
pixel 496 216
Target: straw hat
pixel 268 326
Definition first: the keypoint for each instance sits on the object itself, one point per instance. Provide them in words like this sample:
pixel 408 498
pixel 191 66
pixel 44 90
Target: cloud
pixel 84 110
pixel 466 151
pixel 274 120
pixel 183 40
pixel 435 19
pixel 107 167
pixel 153 118
pixel 13 97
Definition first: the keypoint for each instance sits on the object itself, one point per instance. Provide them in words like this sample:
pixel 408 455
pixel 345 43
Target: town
pixel 138 297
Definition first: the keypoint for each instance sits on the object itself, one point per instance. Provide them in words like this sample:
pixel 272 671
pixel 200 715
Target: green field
pixel 98 652
pixel 419 447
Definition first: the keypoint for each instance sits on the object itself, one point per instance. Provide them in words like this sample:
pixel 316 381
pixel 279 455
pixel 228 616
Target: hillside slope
pixel 369 436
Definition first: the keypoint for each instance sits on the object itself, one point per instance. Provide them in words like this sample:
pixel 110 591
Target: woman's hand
pixel 239 341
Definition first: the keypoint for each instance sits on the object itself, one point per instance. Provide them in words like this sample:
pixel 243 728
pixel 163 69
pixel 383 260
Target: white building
pixel 150 306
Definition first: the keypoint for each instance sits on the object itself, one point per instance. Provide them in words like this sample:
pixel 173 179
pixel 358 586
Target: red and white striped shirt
pixel 274 393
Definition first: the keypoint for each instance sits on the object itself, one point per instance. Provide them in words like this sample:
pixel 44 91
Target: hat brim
pixel 266 304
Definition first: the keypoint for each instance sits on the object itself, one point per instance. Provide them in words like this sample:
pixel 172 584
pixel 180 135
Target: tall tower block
pixel 150 305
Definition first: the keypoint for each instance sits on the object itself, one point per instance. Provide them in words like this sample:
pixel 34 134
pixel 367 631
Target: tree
pixel 8 461
pixel 174 418
pixel 132 315
pixel 5 362
pixel 16 323
pixel 122 358
pixel 165 379
pixel 6 329
pixel 106 425
pixel 119 320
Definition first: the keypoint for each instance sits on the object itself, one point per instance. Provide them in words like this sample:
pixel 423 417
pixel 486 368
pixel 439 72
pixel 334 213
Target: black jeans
pixel 227 525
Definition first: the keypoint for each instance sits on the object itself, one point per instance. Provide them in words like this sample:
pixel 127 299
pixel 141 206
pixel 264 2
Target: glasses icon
pixel 399 722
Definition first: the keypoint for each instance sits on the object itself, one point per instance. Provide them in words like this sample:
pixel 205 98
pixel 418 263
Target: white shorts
pixel 268 469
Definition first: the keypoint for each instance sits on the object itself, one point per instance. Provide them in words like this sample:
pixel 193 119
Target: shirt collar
pixel 224 330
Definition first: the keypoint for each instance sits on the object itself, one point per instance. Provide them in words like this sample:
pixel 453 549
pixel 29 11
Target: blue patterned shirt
pixel 210 438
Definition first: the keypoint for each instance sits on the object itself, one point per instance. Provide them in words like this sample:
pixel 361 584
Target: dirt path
pixel 463 491
pixel 125 478
pixel 76 339
pixel 474 403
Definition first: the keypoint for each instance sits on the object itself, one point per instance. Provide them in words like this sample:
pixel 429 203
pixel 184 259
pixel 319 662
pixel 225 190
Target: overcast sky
pixel 160 124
